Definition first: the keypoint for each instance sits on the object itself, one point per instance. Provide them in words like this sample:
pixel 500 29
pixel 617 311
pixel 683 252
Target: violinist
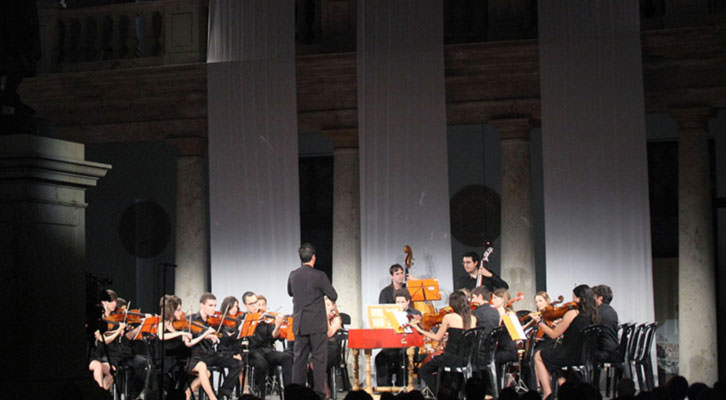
pixel 457 350
pixel 506 347
pixel 175 349
pixel 487 316
pixel 390 361
pixel 398 279
pixel 608 345
pixel 131 355
pixel 228 343
pixel 104 350
pixel 472 270
pixel 263 354
pixel 581 313
pixel 203 354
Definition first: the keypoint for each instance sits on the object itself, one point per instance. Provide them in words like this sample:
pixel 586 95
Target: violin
pixel 195 327
pixel 551 313
pixel 228 321
pixel 429 320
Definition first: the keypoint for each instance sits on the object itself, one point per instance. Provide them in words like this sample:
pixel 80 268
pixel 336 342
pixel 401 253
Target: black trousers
pixel 316 346
pixel 234 368
pixel 262 359
pixel 388 362
pixel 427 371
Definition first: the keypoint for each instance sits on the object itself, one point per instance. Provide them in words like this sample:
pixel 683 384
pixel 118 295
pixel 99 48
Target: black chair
pixel 586 366
pixel 614 369
pixel 341 368
pixel 483 355
pixel 642 361
pixel 458 373
pixel 120 386
pixel 632 348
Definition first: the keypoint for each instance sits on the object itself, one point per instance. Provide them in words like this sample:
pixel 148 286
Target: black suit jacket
pixel 307 286
pixel 609 321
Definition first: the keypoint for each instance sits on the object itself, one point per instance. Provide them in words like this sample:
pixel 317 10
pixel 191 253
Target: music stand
pixel 424 289
pixel 248 325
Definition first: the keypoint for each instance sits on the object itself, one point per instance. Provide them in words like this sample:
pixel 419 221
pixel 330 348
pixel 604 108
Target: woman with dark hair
pixel 552 358
pixel 457 349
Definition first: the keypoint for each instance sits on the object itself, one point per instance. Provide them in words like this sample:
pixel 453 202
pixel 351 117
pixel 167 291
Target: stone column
pixel 696 271
pixel 192 225
pixel 517 237
pixel 42 264
pixel 346 223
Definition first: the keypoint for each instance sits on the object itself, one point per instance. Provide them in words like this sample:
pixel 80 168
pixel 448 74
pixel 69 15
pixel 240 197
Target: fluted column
pixel 697 340
pixel 346 223
pixel 517 238
pixel 191 277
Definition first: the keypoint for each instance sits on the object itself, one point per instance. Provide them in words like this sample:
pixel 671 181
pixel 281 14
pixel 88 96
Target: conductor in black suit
pixel 307 286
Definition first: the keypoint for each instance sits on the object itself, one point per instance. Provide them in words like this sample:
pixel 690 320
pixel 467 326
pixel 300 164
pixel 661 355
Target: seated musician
pixel 390 361
pixel 608 345
pixel 229 344
pixel 105 349
pixel 456 353
pixel 487 316
pixel 334 325
pixel 473 270
pixel 550 359
pixel 133 354
pixel 204 356
pixel 397 282
pixel 262 353
pixel 175 340
pixel 506 347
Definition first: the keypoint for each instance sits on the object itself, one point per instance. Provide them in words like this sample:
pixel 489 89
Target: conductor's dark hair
pixel 307 251
pixel 473 255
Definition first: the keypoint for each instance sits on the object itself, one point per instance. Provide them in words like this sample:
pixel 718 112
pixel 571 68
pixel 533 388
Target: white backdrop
pixel 253 157
pixel 597 224
pixel 402 138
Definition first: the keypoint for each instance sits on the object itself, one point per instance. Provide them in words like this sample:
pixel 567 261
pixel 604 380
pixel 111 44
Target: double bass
pixel 484 259
pixel 425 307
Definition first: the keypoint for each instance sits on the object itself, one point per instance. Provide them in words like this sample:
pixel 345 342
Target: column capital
pixel 342 138
pixel 691 117
pixel 517 127
pixel 188 145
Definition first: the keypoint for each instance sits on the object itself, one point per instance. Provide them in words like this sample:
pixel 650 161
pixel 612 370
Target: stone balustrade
pixel 123 35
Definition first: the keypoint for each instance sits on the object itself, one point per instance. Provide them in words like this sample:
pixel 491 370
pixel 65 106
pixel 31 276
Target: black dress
pixel 568 352
pixel 456 354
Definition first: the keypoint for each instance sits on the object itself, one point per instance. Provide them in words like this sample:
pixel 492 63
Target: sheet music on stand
pixel 514 328
pixel 248 325
pixel 424 289
pixel 387 316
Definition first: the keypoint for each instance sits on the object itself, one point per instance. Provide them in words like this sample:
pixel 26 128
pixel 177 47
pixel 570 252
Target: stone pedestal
pixel 517 238
pixel 697 338
pixel 346 224
pixel 191 277
pixel 42 248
